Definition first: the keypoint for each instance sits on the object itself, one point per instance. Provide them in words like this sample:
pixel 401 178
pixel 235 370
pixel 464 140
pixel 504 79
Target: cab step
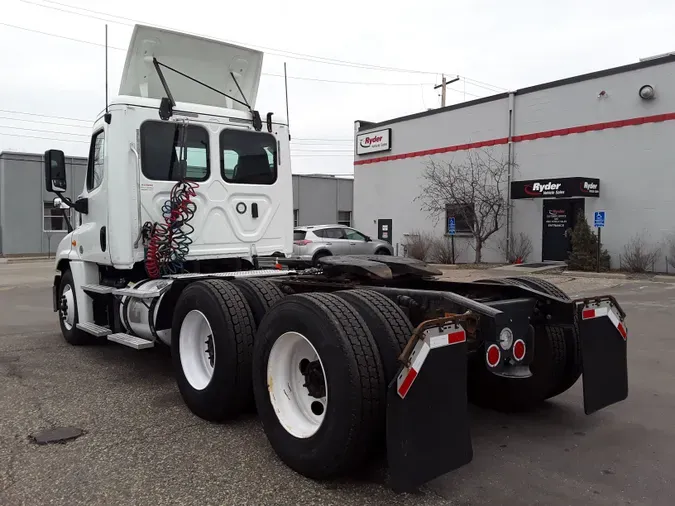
pixel 137 343
pixel 98 289
pixel 137 294
pixel 93 329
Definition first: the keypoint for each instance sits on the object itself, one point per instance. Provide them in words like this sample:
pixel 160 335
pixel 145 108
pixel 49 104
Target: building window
pixel 345 218
pixel 96 160
pixel 160 151
pixel 296 217
pixel 248 157
pixel 52 218
pixel 464 217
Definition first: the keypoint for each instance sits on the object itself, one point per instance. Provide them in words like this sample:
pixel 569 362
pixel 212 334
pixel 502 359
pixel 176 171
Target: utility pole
pixel 443 86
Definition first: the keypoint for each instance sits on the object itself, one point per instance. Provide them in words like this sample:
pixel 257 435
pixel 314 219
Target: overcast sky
pixel 494 45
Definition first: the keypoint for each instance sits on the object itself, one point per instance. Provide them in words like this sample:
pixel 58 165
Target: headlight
pixel 506 338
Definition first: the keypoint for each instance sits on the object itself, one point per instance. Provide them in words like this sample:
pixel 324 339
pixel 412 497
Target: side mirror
pixel 368 239
pixel 55 171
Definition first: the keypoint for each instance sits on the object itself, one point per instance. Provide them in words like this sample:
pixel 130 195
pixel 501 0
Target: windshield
pixel 299 235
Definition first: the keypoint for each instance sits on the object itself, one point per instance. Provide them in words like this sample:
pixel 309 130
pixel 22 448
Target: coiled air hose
pixel 168 243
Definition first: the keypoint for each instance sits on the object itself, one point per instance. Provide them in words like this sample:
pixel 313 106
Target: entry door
pixel 384 230
pixel 559 216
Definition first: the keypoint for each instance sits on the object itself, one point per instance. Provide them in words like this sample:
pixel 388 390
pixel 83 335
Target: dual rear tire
pixel 315 366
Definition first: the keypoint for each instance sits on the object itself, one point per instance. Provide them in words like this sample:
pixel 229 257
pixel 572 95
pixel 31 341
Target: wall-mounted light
pixel 647 92
pixel 602 94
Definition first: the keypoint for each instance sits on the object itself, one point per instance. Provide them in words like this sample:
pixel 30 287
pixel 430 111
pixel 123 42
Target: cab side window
pixel 95 163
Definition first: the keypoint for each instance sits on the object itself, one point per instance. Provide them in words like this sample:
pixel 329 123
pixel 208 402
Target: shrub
pixel 418 245
pixel 521 247
pixel 638 255
pixel 584 254
pixel 441 251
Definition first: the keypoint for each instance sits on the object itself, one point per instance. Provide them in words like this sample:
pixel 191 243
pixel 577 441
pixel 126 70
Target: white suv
pixel 312 243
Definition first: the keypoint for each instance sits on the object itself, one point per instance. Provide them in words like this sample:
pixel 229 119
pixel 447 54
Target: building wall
pixel 22 198
pixel 634 163
pixel 318 199
pixel 391 189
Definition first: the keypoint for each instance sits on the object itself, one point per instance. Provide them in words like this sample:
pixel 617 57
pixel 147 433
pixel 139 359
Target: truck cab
pixel 185 112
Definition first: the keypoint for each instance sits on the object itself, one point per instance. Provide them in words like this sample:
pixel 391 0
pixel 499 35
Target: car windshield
pixel 299 235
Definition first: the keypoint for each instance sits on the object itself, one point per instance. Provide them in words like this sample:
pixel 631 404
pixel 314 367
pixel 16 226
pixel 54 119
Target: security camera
pixel 646 92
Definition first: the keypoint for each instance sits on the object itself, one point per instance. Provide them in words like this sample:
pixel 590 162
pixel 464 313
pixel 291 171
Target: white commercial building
pixel 603 141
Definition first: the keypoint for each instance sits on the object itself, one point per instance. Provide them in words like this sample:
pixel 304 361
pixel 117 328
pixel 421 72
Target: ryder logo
pixel 589 187
pixel 538 189
pixel 369 141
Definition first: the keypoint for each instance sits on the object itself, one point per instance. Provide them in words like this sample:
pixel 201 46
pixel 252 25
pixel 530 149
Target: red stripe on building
pixel 658 118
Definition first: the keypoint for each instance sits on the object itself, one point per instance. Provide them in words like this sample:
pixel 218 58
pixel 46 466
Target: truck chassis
pixel 361 355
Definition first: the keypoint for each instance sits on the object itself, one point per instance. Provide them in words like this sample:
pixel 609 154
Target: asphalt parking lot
pixel 142 446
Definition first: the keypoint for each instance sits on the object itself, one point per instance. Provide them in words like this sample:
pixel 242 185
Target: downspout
pixel 511 163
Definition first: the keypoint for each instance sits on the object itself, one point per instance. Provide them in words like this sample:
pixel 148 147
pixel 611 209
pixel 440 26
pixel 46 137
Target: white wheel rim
pixel 300 413
pixel 69 315
pixel 197 349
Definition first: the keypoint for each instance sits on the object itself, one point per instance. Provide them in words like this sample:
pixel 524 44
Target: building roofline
pixel 652 62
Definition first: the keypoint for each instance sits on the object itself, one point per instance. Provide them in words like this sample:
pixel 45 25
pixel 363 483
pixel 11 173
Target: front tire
pixel 319 385
pixel 211 348
pixel 68 314
pixel 383 251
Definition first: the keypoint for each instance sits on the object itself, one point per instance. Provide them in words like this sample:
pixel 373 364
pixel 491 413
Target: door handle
pixel 329 244
pixel 353 243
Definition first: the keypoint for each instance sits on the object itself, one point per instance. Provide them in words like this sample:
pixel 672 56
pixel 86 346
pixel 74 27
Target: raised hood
pixel 207 60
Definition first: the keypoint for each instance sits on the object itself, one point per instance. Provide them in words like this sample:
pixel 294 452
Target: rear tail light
pixel 303 242
pixel 493 355
pixel 519 350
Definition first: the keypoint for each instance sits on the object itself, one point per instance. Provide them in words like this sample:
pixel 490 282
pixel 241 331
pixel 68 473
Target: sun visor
pixel 208 61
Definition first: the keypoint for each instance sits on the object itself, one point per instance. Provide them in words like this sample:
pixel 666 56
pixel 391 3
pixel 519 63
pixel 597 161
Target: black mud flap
pixel 603 335
pixel 427 418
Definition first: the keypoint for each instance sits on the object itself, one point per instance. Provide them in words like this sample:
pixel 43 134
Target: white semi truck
pixel 187 187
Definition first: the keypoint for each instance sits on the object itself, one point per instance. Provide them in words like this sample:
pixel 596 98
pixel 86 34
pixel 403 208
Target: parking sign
pixel 599 219
pixel 451 225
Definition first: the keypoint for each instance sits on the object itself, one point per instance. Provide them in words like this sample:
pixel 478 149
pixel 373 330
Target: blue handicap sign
pixel 451 225
pixel 599 219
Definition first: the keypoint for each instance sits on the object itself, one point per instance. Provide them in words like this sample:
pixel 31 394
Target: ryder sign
pixel 556 187
pixel 373 142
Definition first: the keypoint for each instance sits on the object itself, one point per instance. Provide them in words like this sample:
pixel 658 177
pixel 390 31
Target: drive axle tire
pixel 261 294
pixel 211 349
pixel 319 385
pixel 68 314
pixel 518 394
pixel 573 364
pixel 387 322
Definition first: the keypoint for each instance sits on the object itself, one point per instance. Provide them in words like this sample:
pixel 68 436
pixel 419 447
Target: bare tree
pixel 474 188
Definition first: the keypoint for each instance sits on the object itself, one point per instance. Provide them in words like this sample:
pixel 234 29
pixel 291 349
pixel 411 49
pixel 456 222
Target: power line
pixel 6 111
pixel 44 138
pixel 301 78
pixel 43 131
pixel 279 52
pixel 43 122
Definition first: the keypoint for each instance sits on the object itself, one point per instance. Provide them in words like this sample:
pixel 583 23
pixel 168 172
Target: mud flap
pixel 603 335
pixel 427 417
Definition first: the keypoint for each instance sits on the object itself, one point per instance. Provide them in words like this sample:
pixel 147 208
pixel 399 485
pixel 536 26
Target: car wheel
pixel 383 251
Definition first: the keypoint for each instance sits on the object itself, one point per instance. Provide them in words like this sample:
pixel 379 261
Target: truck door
pixel 91 238
pixel 257 190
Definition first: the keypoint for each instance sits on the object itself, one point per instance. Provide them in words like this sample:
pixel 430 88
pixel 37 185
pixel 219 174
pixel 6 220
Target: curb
pixel 24 260
pixel 444 267
pixel 664 278
pixel 605 275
